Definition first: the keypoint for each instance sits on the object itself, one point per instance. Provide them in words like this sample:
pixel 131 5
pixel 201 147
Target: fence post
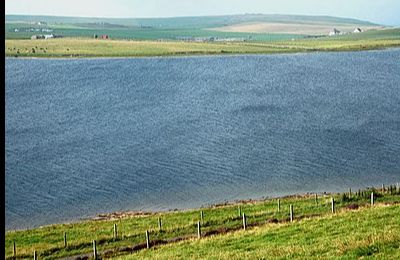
pixel 240 211
pixel 159 224
pixel 198 230
pixel 65 239
pixel 201 216
pixel 244 221
pixel 147 239
pixel 94 250
pixel 14 250
pixel 115 232
pixel 34 255
pixel 333 205
pixel 372 199
pixel 291 212
pixel 316 199
pixel 279 205
pixel 350 193
pixel 383 188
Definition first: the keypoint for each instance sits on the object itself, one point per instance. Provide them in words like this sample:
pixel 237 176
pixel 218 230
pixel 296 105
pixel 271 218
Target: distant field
pixel 254 27
pixel 83 47
pixel 137 33
pixel 292 28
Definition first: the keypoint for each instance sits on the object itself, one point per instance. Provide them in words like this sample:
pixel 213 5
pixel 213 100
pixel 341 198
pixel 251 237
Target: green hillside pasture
pixel 370 232
pixel 48 240
pixel 192 22
pixel 137 33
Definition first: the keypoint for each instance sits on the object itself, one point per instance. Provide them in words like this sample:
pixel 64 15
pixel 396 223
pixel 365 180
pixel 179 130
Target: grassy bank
pixel 48 241
pixel 370 232
pixel 85 47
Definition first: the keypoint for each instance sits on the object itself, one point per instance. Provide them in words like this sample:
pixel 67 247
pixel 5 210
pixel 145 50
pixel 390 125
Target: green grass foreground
pixel 370 232
pixel 85 47
pixel 355 229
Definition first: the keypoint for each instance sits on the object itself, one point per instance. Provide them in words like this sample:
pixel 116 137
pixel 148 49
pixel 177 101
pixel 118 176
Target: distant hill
pixel 254 27
pixel 193 22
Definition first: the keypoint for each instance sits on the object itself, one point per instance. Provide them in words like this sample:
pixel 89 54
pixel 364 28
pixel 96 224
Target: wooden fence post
pixel 159 224
pixel 291 213
pixel 34 255
pixel 65 239
pixel 14 250
pixel 350 193
pixel 333 205
pixel 279 205
pixel 316 199
pixel 201 216
pixel 147 239
pixel 244 221
pixel 372 199
pixel 115 232
pixel 383 188
pixel 94 250
pixel 198 230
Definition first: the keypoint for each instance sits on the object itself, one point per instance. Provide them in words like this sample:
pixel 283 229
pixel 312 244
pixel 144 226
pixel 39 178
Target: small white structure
pixel 37 37
pixel 334 32
pixel 357 30
pixel 48 36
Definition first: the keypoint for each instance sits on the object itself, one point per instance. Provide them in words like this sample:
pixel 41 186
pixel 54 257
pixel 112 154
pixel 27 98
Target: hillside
pixel 312 28
pixel 256 27
pixel 194 21
pixel 362 233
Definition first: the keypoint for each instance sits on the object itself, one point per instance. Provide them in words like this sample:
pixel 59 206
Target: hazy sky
pixel 380 11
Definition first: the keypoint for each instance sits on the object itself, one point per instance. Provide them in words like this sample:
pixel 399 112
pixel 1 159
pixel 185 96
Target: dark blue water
pixel 87 136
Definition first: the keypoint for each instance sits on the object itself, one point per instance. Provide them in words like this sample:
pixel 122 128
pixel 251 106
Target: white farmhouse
pixel 334 32
pixel 48 36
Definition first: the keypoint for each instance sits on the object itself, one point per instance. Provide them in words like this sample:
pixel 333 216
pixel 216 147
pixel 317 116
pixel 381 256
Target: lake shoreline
pixel 126 214
pixel 197 55
pixel 114 234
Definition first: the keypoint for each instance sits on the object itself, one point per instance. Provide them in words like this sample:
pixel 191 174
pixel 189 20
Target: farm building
pixel 37 37
pixel 45 36
pixel 334 32
pixel 357 30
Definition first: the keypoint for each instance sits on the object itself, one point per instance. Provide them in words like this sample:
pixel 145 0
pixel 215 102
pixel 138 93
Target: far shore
pixel 195 55
pixel 70 48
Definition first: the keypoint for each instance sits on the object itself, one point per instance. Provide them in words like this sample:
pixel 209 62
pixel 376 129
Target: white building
pixel 358 30
pixel 334 32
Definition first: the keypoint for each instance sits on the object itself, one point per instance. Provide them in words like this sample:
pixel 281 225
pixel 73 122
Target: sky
pixel 385 12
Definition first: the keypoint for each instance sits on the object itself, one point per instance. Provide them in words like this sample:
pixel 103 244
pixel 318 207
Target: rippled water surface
pixel 86 136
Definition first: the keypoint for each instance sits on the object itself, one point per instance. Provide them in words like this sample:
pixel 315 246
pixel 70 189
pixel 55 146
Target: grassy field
pixel 175 27
pixel 348 235
pixel 83 47
pixel 138 33
pixel 263 218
